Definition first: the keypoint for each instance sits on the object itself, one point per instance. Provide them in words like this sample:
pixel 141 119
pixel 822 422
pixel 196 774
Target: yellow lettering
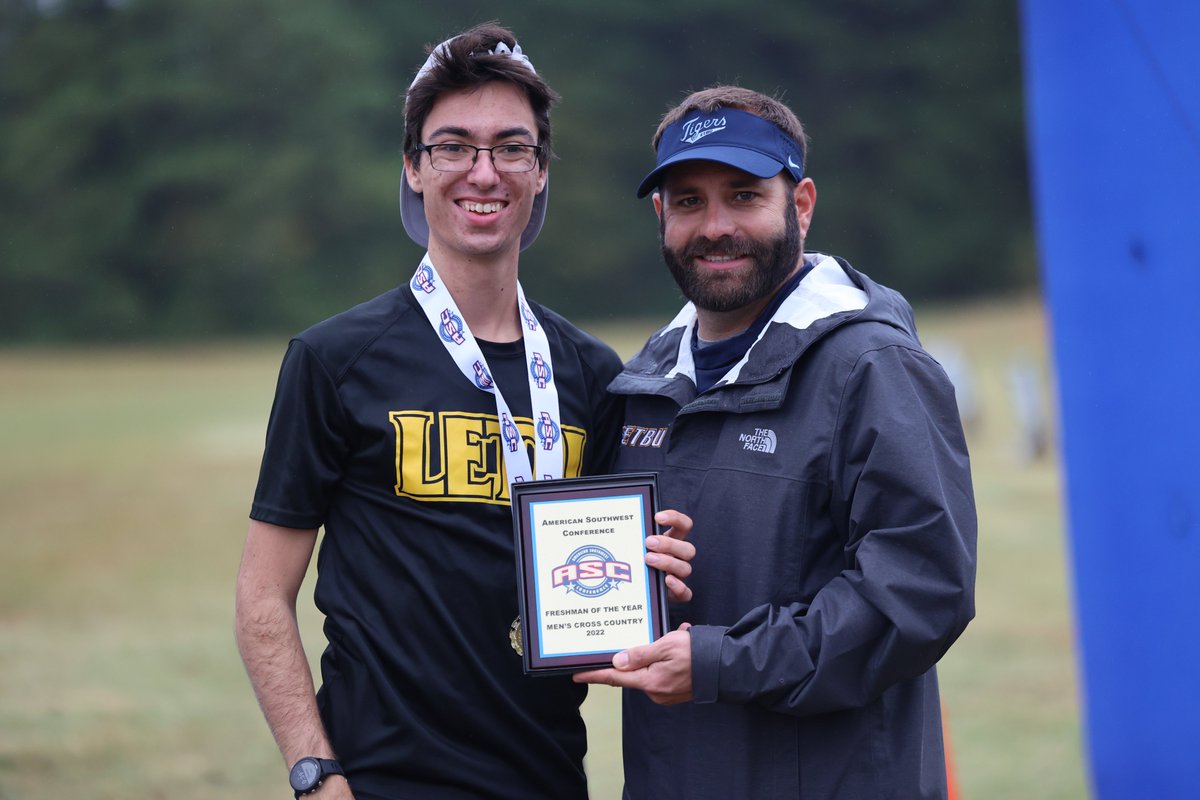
pixel 472 448
pixel 416 475
pixel 457 457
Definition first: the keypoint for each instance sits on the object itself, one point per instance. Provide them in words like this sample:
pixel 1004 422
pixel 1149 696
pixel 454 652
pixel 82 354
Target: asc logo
pixel 540 370
pixel 423 280
pixel 451 328
pixel 483 378
pixel 591 571
pixel 530 319
pixel 512 437
pixel 548 431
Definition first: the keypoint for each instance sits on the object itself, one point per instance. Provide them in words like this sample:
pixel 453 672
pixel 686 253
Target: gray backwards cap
pixel 412 204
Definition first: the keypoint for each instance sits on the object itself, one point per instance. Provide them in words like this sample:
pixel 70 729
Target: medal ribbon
pixel 443 314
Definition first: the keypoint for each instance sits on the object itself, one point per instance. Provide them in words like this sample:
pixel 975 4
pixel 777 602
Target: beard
pixel 773 261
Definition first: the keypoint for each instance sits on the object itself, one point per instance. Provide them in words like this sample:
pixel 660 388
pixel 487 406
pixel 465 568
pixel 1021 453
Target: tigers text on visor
pixel 729 136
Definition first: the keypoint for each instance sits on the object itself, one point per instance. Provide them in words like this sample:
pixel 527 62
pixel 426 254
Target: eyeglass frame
pixel 538 149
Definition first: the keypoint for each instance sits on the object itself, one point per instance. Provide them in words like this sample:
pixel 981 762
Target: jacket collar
pixel 830 295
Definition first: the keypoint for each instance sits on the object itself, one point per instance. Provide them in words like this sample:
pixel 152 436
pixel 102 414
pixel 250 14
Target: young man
pixel 398 425
pixel 790 408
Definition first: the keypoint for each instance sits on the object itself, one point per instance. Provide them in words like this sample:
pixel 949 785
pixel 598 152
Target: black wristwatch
pixel 308 772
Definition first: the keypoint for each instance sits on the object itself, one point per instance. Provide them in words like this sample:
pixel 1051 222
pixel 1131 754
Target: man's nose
pixel 718 221
pixel 483 171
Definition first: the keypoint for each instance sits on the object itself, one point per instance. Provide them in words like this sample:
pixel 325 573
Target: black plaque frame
pixel 532 499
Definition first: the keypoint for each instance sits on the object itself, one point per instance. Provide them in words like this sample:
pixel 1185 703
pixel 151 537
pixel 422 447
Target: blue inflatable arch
pixel 1113 103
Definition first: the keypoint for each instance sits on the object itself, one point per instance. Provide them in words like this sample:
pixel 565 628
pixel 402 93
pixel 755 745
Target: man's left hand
pixel 669 553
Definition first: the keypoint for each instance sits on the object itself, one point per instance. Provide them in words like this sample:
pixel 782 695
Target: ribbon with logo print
pixel 443 314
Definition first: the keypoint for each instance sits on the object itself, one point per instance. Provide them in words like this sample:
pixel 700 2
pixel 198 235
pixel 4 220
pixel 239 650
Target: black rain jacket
pixel 835 530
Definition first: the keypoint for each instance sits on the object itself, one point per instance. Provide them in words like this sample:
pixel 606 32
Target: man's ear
pixel 805 198
pixel 657 198
pixel 413 174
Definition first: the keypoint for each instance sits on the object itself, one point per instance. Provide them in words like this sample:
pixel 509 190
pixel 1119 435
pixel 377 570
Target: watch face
pixel 304 774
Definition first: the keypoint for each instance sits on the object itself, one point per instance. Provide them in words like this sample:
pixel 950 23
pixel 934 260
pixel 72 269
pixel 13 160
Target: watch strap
pixel 325 768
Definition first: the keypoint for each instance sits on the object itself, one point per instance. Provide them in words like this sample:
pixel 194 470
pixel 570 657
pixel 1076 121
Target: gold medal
pixel 514 636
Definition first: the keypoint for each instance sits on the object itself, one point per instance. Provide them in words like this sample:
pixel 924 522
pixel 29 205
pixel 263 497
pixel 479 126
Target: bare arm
pixel 273 566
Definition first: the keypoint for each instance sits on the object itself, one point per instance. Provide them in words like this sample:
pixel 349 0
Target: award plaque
pixel 585 590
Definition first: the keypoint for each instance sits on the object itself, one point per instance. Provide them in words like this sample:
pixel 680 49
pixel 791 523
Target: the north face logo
pixel 761 441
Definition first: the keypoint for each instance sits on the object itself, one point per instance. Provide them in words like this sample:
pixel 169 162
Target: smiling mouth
pixel 719 259
pixel 481 208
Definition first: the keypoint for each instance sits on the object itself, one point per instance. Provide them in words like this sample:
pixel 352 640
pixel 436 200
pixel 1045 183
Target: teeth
pixel 482 208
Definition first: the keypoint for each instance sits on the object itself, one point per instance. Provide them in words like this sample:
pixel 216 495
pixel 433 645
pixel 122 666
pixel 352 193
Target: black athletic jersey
pixel 376 435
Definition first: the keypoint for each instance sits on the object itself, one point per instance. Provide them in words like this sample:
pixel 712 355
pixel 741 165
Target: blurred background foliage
pixel 184 169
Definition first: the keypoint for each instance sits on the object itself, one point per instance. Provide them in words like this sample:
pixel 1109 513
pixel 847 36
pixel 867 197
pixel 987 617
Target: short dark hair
pixel 467 62
pixel 748 100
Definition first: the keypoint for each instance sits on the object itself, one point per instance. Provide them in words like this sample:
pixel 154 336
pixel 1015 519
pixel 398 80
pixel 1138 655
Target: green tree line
pixel 193 168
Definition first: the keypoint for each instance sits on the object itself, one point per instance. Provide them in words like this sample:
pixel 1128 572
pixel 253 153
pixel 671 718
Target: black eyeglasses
pixel 457 157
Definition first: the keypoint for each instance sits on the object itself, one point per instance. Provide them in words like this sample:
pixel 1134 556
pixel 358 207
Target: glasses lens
pixel 461 157
pixel 514 157
pixel 451 157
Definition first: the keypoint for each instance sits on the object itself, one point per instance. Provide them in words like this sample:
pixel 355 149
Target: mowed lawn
pixel 125 479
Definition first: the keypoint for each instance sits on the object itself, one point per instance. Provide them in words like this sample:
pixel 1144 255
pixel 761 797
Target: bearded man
pixel 791 410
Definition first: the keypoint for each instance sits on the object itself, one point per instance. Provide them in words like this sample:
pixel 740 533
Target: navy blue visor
pixel 729 136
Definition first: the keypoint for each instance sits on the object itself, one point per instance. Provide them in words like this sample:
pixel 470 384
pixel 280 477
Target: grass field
pixel 125 478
